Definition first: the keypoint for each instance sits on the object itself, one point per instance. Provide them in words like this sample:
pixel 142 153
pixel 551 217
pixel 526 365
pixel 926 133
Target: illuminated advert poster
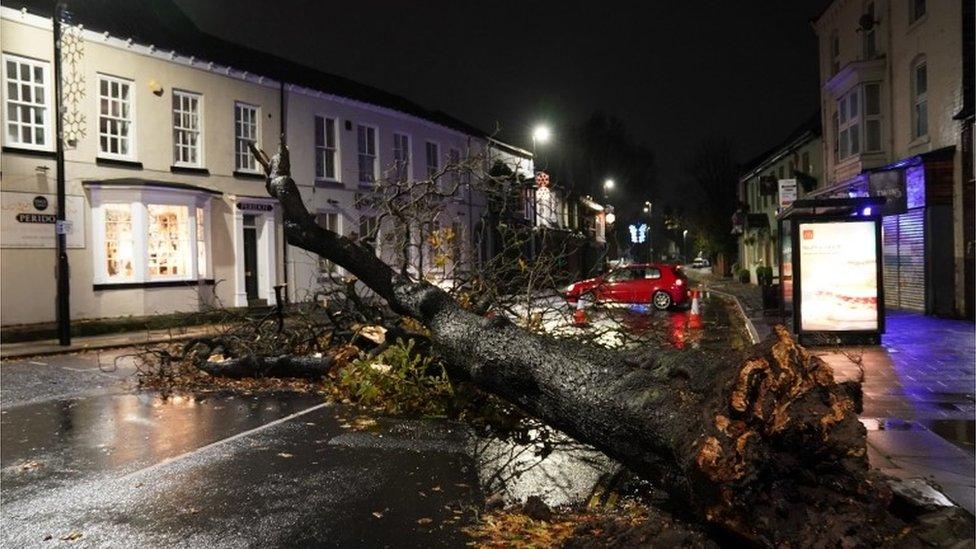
pixel 838 276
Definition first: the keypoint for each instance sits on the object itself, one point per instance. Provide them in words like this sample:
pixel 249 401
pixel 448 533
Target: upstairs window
pixel 433 158
pixel 366 141
pixel 115 120
pixel 920 104
pixel 834 53
pixel 27 110
pixel 870 36
pixel 916 9
pixel 187 124
pixel 369 232
pixel 872 117
pixel 849 116
pixel 246 119
pixel 454 157
pixel 325 149
pixel 401 153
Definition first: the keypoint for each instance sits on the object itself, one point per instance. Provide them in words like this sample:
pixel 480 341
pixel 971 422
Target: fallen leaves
pixel 72 536
pixel 285 455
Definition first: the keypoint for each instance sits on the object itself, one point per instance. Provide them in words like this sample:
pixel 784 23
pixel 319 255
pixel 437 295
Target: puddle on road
pixel 960 432
pixel 69 439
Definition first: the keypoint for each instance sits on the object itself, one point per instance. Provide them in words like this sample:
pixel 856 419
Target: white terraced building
pixel 166 205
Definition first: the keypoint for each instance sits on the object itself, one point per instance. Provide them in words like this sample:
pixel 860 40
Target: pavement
pixel 45 347
pixel 918 387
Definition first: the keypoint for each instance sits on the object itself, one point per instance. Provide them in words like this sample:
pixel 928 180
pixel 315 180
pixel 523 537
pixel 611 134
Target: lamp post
pixel 607 187
pixel 684 245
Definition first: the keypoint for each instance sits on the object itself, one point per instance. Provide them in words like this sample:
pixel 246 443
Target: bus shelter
pixel 831 270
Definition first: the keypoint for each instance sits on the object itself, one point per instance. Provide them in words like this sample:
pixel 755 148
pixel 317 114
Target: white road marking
pixel 223 441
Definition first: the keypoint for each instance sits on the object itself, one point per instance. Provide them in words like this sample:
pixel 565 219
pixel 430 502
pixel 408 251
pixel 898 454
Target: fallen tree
pixel 766 447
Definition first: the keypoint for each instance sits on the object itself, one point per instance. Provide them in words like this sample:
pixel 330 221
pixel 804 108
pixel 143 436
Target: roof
pixel 163 24
pixel 809 129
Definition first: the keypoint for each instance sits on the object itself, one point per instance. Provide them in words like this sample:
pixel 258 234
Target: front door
pixel 250 258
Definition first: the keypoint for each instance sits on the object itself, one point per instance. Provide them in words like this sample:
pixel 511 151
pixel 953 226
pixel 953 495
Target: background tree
pixel 713 176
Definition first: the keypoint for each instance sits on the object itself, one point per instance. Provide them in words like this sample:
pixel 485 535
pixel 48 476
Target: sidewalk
pixel 918 388
pixel 105 341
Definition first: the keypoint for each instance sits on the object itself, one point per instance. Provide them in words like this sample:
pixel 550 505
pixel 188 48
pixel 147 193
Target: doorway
pixel 251 259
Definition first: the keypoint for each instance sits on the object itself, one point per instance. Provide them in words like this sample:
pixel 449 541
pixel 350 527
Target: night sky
pixel 674 71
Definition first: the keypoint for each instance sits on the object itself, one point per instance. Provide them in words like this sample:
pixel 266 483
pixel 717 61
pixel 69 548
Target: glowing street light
pixel 608 184
pixel 541 134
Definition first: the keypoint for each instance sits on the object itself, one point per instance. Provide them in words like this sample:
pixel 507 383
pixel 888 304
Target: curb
pixel 49 349
pixel 750 326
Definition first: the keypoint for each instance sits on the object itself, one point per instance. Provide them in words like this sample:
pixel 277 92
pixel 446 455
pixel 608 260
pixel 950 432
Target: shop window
pixel 167 240
pixel 119 251
pixel 187 122
pixel 246 131
pixel 144 236
pixel 115 120
pixel 27 103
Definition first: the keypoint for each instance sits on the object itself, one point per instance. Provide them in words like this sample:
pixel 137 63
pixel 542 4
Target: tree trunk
pixel 767 447
pixel 277 366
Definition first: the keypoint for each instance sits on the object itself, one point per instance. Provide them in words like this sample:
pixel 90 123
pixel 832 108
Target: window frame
pixel 428 170
pixel 336 157
pixel 870 37
pixel 238 138
pixel 834 52
pixel 407 166
pixel 131 136
pixel 199 130
pixel 334 269
pixel 913 15
pixel 138 201
pixel 47 124
pixel 850 124
pixel 919 98
pixel 376 154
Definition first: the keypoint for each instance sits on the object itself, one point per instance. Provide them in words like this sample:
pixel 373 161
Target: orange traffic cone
pixel 694 316
pixel 579 315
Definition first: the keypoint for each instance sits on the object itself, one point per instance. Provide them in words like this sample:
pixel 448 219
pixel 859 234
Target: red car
pixel 657 284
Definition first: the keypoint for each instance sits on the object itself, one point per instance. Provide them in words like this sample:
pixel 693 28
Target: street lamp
pixel 608 185
pixel 540 134
pixel 684 245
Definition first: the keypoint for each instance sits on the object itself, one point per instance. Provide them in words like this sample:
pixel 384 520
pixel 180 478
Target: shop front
pixel 917 229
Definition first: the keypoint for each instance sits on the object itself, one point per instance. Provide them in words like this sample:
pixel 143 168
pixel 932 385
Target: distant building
pixel 168 208
pixel 797 159
pixel 897 106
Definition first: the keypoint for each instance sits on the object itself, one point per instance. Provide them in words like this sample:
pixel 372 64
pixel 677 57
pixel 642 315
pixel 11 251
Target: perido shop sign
pixel 28 220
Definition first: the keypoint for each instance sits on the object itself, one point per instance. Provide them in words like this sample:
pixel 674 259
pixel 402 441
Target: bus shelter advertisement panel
pixel 838 276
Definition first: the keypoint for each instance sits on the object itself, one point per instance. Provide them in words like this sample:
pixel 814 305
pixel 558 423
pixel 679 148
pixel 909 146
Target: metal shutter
pixel 904 260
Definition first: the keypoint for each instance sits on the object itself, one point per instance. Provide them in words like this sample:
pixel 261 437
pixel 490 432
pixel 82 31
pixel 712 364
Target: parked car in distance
pixel 700 262
pixel 661 285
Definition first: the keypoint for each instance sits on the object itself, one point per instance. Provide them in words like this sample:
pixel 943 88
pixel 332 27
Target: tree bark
pixel 766 447
pixel 306 367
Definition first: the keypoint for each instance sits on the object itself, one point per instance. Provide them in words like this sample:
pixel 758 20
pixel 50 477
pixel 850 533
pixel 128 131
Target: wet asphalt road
pixel 89 461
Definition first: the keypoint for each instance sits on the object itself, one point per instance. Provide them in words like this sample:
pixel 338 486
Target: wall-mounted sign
pixel 838 276
pixel 787 192
pixel 255 206
pixel 891 186
pixel 28 220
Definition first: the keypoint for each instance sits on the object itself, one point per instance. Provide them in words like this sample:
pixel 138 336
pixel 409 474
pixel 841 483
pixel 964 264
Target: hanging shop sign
pixel 839 275
pixel 255 206
pixel 787 192
pixel 30 220
pixel 889 185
